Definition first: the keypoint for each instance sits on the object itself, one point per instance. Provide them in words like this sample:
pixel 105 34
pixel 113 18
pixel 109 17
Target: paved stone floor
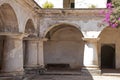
pixel 64 77
pixel 67 77
pixel 107 75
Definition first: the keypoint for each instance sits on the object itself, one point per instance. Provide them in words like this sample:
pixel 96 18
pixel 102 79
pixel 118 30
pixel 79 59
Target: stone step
pixel 82 72
pixel 11 78
pixel 110 72
pixel 61 73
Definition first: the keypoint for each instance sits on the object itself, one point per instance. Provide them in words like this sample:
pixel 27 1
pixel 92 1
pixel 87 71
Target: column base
pixel 31 69
pixel 12 74
pixel 91 70
pixel 35 70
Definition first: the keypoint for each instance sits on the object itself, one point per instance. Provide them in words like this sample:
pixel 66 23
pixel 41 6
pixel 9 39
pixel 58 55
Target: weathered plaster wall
pixel 65 47
pixel 89 22
pixel 86 21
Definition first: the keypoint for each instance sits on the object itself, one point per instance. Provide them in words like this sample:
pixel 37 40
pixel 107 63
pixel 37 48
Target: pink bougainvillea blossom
pixel 109 5
pixel 114 25
pixel 112 16
pixel 119 18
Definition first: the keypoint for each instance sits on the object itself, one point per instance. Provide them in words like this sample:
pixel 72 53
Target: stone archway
pixel 64 48
pixel 30 28
pixel 8 26
pixel 30 55
pixel 108 37
pixel 8 19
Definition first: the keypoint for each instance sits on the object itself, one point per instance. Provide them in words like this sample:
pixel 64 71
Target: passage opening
pixel 108 56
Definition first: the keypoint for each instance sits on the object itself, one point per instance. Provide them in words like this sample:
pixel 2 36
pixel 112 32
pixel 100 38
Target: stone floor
pixel 73 77
pixel 68 75
pixel 63 77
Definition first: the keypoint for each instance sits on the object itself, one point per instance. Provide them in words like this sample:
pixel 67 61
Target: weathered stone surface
pixel 55 36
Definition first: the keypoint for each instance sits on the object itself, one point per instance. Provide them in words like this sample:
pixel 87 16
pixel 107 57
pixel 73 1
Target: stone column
pixel 41 52
pixel 31 53
pixel 91 53
pixel 13 54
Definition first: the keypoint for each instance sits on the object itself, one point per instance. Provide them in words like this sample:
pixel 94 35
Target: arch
pixel 106 29
pixel 107 37
pixel 60 25
pixel 8 19
pixel 102 31
pixel 31 31
pixel 29 27
pixel 64 47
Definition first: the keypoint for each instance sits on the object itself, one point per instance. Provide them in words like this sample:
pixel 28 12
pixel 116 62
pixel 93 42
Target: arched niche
pixel 30 31
pixel 64 47
pixel 30 28
pixel 8 19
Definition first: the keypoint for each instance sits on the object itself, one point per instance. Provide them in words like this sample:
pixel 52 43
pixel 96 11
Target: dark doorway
pixel 1 50
pixel 24 53
pixel 108 56
pixel 72 5
pixel 109 1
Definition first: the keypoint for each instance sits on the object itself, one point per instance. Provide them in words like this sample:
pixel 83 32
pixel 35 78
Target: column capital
pixel 43 39
pixel 35 39
pixel 31 38
pixel 17 36
pixel 91 39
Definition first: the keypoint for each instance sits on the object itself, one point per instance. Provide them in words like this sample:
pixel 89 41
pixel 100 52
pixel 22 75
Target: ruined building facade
pixel 31 37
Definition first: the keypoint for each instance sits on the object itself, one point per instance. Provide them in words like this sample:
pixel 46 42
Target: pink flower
pixel 111 21
pixel 114 25
pixel 109 5
pixel 119 18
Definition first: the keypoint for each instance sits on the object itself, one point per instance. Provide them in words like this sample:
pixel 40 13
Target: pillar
pixel 91 53
pixel 30 53
pixel 13 54
pixel 41 52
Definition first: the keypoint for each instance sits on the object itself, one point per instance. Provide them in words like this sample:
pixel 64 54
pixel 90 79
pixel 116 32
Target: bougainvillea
pixel 112 14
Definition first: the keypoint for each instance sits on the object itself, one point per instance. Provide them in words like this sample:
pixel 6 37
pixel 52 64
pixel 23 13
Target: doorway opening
pixel 108 56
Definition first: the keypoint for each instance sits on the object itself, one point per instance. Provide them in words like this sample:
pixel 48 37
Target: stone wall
pixel 65 46
pixel 74 37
